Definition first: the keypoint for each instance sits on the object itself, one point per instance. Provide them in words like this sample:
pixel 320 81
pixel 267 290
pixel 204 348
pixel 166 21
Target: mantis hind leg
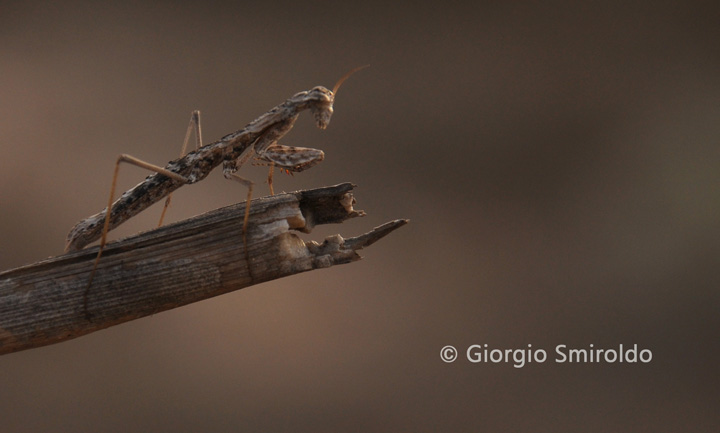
pixel 193 125
pixel 108 211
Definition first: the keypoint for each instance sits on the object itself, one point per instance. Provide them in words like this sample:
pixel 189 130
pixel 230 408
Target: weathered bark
pixel 175 265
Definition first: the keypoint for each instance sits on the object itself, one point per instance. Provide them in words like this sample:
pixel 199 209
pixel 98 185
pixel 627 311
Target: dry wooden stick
pixel 176 265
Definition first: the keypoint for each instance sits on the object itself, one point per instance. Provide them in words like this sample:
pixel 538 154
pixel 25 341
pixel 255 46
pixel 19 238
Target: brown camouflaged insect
pixel 258 138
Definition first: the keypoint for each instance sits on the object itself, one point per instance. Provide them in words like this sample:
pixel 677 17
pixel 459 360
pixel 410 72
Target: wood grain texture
pixel 175 265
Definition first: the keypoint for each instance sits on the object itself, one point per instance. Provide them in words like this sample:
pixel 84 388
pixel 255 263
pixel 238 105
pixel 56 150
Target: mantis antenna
pixel 345 77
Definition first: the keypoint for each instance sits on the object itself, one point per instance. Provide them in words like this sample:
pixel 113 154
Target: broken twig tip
pixel 379 232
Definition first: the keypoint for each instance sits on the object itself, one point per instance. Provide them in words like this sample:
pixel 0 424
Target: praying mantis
pixel 259 139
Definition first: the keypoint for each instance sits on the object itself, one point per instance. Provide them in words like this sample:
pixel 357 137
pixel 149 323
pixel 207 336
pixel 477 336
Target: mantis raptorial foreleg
pixel 288 159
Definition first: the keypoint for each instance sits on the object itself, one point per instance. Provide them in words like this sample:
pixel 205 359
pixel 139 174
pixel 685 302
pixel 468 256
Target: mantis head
pixel 321 100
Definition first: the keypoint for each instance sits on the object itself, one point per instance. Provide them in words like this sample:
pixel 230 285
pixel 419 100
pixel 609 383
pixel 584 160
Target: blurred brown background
pixel 559 163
